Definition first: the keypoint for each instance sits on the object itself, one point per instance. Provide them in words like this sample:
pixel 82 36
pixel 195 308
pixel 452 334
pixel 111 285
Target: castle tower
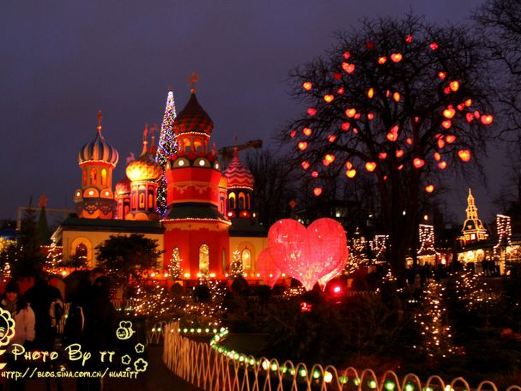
pixel 196 225
pixel 240 189
pixel 473 229
pixel 97 160
pixel 143 173
pixel 122 197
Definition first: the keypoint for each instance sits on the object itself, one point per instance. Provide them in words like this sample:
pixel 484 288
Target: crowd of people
pixel 52 313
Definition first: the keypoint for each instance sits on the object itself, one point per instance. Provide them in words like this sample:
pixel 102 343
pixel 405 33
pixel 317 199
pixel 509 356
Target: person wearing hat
pixel 21 312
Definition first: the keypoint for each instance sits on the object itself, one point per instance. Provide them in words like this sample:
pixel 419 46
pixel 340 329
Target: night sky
pixel 61 61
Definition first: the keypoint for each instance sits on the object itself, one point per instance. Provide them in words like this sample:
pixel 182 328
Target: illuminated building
pixel 473 230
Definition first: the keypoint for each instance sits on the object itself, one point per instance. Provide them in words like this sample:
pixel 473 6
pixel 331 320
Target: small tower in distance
pixel 97 160
pixel 473 230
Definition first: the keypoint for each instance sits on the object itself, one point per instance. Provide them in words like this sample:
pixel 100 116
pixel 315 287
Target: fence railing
pixel 216 369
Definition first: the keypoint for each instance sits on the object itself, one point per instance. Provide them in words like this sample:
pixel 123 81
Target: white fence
pixel 212 369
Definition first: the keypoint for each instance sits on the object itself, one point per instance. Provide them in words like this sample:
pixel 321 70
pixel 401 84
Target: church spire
pixel 473 229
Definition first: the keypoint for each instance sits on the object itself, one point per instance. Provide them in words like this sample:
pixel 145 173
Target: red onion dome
pixel 123 186
pixel 193 118
pixel 238 175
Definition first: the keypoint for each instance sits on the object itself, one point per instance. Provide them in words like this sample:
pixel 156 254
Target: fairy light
pixel 426 239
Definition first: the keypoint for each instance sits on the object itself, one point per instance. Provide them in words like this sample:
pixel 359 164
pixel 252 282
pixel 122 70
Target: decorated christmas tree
pixel 236 266
pixel 166 148
pixel 174 268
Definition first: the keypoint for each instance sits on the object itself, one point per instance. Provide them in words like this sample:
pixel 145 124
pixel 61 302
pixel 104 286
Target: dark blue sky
pixel 63 60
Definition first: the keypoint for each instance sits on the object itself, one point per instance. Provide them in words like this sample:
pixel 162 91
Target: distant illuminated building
pixel 473 230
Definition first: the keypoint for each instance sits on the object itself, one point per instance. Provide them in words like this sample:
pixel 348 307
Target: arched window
pixel 248 201
pixel 134 200
pixel 231 201
pixel 242 201
pixel 93 175
pixel 246 259
pixel 150 200
pixel 81 252
pixel 141 201
pixel 103 177
pixel 204 259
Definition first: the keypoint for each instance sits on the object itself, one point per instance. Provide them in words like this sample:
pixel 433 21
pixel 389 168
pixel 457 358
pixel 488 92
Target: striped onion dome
pixel 193 118
pixel 237 174
pixel 98 150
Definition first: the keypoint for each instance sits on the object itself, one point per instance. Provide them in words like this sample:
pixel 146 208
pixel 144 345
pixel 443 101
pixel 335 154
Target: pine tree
pixel 236 266
pixel 174 268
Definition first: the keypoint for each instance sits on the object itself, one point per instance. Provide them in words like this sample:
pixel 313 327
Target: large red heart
pixel 307 254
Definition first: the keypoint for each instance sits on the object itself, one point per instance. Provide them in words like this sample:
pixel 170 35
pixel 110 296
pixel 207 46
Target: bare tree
pixel 400 100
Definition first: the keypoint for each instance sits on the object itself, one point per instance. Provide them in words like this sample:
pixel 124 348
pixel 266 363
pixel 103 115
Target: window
pixel 246 259
pixel 248 201
pixel 93 174
pixel 242 201
pixel 204 259
pixel 150 200
pixel 141 201
pixel 81 252
pixel 103 177
pixel 231 201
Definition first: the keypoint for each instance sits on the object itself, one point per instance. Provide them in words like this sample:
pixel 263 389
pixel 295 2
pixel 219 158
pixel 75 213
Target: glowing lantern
pixel 267 268
pixel 307 254
pixel 468 102
pixel 302 145
pixel 340 91
pixel 307 131
pixel 441 143
pixel 487 119
pixel 408 38
pixel 347 55
pixel 331 138
pixel 399 153
pixel 449 112
pixel 461 106
pixel 382 60
pixel 311 111
pixel 314 174
pixel 370 93
pixel 400 167
pixel 446 124
pixel 351 113
pixel 477 114
pixel 434 46
pixel 307 85
pixel 446 90
pixel 442 165
pixel 293 133
pixel 437 156
pixel 328 98
pixel 382 155
pixel 396 96
pixel 337 75
pixel 408 141
pixel 393 133
pixel 454 86
pixel 345 126
pixel 450 138
pixel 305 164
pixel 464 155
pixel 469 117
pixel 351 173
pixel 396 57
pixel 348 68
pixel 370 116
pixel 370 166
pixel 355 130
pixel 418 163
pixel 429 188
pixel 442 75
pixel 328 159
pixel 317 191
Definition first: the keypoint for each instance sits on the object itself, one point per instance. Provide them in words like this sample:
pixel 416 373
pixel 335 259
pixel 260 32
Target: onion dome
pixel 145 167
pixel 123 187
pixel 237 174
pixel 98 150
pixel 193 118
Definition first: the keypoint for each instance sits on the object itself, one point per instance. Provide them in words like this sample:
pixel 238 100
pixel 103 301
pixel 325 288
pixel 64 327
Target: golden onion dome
pixel 98 150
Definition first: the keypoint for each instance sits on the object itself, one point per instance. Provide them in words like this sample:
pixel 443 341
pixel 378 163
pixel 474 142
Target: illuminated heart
pixel 307 254
pixel 267 269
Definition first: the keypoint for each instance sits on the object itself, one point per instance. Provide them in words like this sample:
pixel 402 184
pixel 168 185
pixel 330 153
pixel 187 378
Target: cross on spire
pixel 193 79
pixel 100 119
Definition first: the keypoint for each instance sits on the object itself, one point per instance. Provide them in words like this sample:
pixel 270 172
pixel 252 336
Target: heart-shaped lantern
pixel 269 272
pixel 307 254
